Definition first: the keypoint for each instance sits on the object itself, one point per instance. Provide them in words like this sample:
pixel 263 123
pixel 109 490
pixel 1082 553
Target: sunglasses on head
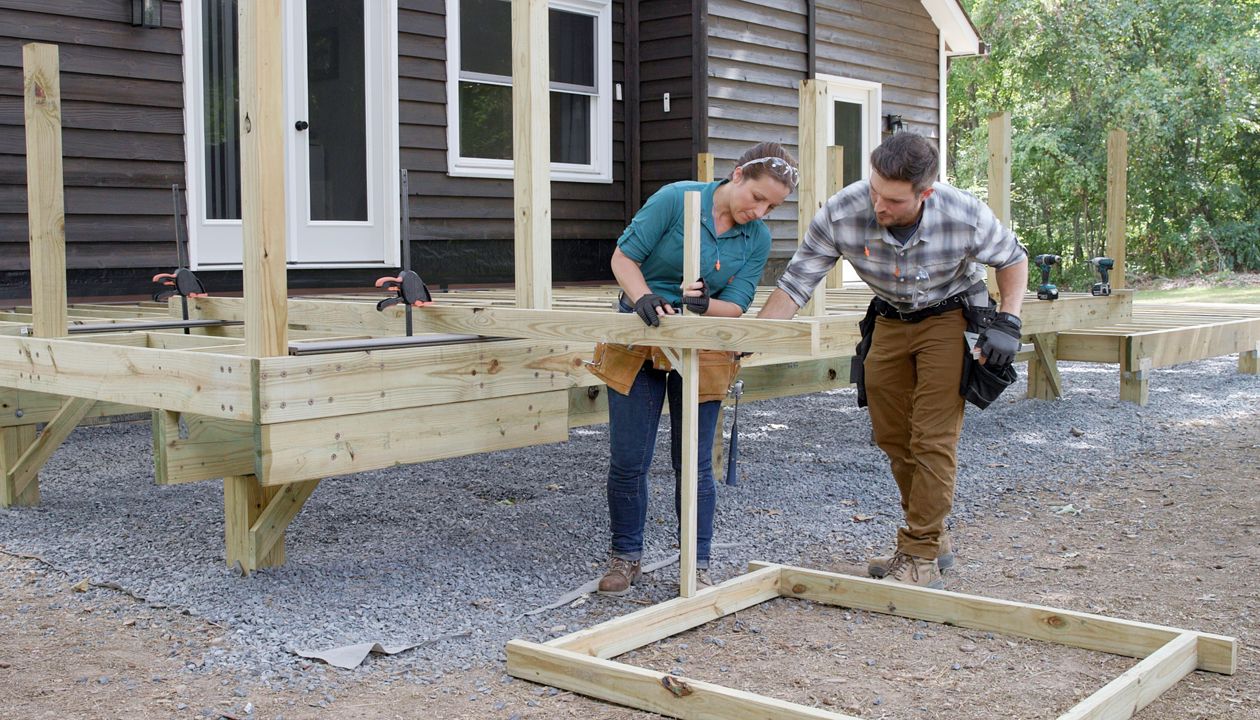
pixel 781 168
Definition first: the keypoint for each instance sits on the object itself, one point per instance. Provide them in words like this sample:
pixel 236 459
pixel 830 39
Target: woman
pixel 647 263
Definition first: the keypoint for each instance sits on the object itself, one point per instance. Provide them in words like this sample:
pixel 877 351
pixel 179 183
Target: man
pixel 920 245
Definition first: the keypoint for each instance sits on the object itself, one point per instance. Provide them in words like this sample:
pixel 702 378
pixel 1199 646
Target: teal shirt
pixel 731 263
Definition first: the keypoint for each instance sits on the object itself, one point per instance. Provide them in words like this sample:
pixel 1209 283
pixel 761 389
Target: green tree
pixel 1183 78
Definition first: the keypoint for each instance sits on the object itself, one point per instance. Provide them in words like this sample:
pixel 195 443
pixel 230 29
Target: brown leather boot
pixel 620 576
pixel 878 566
pixel 917 571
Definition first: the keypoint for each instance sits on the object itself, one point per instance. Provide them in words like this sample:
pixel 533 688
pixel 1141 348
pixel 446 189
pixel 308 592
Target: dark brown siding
pixel 123 126
pixel 666 61
pixel 892 42
pixel 758 54
pixel 462 227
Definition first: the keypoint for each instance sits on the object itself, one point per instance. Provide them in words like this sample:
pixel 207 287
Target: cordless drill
pixel 1047 291
pixel 1103 264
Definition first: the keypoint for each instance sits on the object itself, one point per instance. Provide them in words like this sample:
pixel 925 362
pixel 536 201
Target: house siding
pixel 667 59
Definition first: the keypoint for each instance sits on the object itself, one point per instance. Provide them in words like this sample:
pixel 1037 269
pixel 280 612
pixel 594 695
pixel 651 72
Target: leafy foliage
pixel 1181 77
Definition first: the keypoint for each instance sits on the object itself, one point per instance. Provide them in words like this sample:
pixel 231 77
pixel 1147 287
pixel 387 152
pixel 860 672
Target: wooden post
pixel 704 167
pixel 1117 201
pixel 14 442
pixel 263 210
pixel 999 180
pixel 813 162
pixel 1249 361
pixel 690 371
pixel 1044 382
pixel 835 182
pixel 44 188
pixel 531 152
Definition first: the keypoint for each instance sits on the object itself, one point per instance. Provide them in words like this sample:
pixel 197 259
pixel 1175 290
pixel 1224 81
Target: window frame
pixel 599 170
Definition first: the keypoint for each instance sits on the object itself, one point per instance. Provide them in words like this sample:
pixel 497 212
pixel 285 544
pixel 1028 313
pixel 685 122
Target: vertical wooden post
pixel 1117 201
pixel 1249 361
pixel 1044 382
pixel 531 152
pixel 999 179
pixel 14 441
pixel 41 78
pixel 263 216
pixel 690 371
pixel 704 167
pixel 835 183
pixel 813 162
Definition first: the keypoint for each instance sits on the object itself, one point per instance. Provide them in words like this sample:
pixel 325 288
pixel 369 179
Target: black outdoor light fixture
pixel 893 124
pixel 146 13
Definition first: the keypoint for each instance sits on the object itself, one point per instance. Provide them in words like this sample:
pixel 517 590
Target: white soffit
pixel 959 34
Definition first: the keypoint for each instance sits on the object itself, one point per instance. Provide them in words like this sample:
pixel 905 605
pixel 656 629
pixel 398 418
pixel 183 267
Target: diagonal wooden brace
pixel 20 484
pixel 255 518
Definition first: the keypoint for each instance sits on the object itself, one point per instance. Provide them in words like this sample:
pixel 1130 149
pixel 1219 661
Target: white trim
pixel 869 95
pixel 225 232
pixel 600 168
pixel 943 142
pixel 956 29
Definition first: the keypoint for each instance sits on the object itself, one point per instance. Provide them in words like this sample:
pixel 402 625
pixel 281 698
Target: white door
pixel 342 141
pixel 853 124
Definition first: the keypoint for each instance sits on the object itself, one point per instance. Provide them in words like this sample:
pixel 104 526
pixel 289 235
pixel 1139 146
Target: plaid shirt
pixel 957 235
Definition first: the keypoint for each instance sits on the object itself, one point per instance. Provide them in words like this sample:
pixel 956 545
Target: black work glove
pixel 699 304
pixel 999 343
pixel 645 308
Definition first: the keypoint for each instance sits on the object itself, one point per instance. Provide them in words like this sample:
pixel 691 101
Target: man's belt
pixel 887 310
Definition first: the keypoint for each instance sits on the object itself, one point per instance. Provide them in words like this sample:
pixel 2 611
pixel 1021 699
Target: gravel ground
pixel 452 554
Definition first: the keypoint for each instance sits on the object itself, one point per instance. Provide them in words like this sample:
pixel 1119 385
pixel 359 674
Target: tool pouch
pixel 857 365
pixel 619 365
pixel 982 384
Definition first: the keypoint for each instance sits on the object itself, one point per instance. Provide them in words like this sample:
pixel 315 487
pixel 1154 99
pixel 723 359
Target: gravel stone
pixel 400 555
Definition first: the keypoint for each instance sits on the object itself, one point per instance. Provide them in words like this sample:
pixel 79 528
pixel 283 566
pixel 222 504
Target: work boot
pixel 878 566
pixel 621 574
pixel 917 571
pixel 703 579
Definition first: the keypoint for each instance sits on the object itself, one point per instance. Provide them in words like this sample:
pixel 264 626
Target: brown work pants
pixel 912 376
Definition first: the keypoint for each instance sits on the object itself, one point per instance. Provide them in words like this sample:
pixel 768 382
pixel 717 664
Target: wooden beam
pixel 14 441
pixel 244 500
pixel 811 190
pixel 41 79
pixel 668 695
pixel 263 207
pixel 999 179
pixel 310 449
pixel 1081 347
pixel 1172 346
pixel 531 152
pixel 835 183
pixel 188 447
pixel 620 635
pixel 689 370
pixel 1117 201
pixel 1138 687
pixel 21 407
pixel 1092 632
pixel 704 167
pixel 1044 382
pixel 267 532
pixel 204 383
pixel 22 473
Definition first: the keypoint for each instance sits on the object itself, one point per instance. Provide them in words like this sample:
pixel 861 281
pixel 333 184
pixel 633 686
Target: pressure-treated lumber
pixel 1141 684
pixel 999 181
pixel 689 370
pixel 208 384
pixel 810 191
pixel 244 500
pixel 20 474
pixel 668 695
pixel 267 531
pixel 835 182
pixel 310 449
pixel 1117 201
pixel 41 79
pixel 263 207
pixel 22 407
pixel 1249 361
pixel 531 152
pixel 14 441
pixel 1044 382
pixel 704 167
pixel 189 447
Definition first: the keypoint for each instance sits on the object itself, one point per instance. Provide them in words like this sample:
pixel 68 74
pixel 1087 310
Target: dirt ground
pixel 1171 539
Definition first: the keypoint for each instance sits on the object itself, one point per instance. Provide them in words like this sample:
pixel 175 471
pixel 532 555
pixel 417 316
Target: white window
pixel 479 89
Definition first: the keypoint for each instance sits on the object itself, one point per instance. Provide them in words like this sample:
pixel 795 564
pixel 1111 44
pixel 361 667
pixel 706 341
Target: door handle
pixel 301 125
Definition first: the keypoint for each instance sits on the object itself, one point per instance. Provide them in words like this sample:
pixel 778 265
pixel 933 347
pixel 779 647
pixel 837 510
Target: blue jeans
pixel 632 423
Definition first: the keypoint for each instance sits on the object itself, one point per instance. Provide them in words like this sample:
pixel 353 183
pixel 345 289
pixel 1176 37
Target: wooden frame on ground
pixel 581 662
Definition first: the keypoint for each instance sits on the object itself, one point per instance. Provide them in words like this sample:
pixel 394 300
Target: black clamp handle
pixel 411 290
pixel 183 282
